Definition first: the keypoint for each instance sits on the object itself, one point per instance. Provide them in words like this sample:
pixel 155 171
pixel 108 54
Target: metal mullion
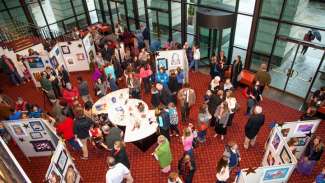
pixel 292 64
pixel 47 23
pixel 110 14
pixel 126 14
pixel 101 8
pixel 147 18
pixel 84 4
pixel 183 21
pixel 74 13
pixel 232 35
pixel 136 13
pixel 170 25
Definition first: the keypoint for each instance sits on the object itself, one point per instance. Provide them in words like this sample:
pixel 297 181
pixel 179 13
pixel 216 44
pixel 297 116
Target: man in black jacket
pixel 253 126
pixel 163 121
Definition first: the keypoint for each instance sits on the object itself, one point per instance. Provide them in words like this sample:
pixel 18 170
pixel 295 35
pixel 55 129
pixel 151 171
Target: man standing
pixel 117 172
pixel 186 97
pixel 83 90
pixel 145 35
pixel 106 53
pixel 164 93
pixel 253 126
pixel 111 135
pixel 263 77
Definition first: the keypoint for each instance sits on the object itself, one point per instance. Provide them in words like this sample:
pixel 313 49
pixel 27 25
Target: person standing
pixel 65 129
pixel 12 71
pixel 163 121
pixel 173 86
pixel 232 153
pixel 47 87
pixel 187 98
pixel 235 71
pixel 308 37
pixel 145 74
pixel 222 116
pixel 321 177
pixel 119 154
pixel 163 154
pixel 187 140
pixel 81 129
pixel 111 135
pixel 180 75
pixel 232 106
pixel 162 77
pixel 84 90
pixel 117 172
pixel 145 35
pixel 203 118
pixel 173 116
pixel 101 87
pixel 223 172
pixel 253 126
pixel 213 66
pixel 106 52
pixel 164 93
pixel 263 77
pixel 196 58
pixel 186 168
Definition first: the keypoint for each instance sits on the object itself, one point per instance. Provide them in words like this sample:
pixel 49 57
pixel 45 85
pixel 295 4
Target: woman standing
pixel 186 168
pixel 213 66
pixel 222 116
pixel 100 88
pixel 173 86
pixel 222 170
pixel 163 154
pixel 254 97
pixel 119 154
pixel 187 140
pixel 235 71
pixel 232 153
pixel 145 73
pixel 232 106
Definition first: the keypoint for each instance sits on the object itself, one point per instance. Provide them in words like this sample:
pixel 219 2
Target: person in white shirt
pixel 222 170
pixel 117 172
pixel 196 58
pixel 232 105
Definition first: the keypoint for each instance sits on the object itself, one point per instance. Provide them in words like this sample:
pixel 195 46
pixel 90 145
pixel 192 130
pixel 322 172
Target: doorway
pixel 292 71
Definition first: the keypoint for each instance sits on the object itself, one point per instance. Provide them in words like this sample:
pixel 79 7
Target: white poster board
pixel 62 165
pixel 10 168
pixel 89 46
pixel 32 136
pixel 74 56
pixel 171 59
pixel 56 57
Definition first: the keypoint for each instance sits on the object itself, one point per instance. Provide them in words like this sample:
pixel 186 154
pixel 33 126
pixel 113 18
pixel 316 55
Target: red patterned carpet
pixel 143 166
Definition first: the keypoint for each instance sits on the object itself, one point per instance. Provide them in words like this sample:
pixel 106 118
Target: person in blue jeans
pixel 162 77
pixel 196 58
pixel 321 177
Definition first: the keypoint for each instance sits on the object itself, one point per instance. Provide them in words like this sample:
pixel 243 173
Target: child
pixel 96 136
pixel 173 119
pixel 204 118
pixel 155 100
pixel 35 112
pixel 227 85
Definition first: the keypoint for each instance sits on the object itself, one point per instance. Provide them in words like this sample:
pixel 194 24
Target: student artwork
pixel 70 175
pixel 57 51
pixel 304 128
pixel 270 159
pixel 42 145
pixel 54 62
pixel 18 130
pixel 36 125
pixel 35 135
pixel 70 61
pixel 54 175
pixel 175 60
pixel 91 56
pixel 65 49
pixel 91 40
pixel 285 132
pixel 80 56
pixel 284 156
pixel 162 63
pixel 275 174
pixel 276 141
pixel 62 161
pixel 301 141
pixel 113 99
pixel 35 62
pixel 37 76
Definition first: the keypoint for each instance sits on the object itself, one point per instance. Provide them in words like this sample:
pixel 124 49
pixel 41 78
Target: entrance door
pixel 292 71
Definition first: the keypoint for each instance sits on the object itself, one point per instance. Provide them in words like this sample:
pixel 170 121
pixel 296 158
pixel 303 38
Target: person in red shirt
pixel 307 37
pixel 65 129
pixel 70 94
pixel 21 105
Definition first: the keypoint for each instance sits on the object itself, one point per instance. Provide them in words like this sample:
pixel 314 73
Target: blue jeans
pixel 189 152
pixel 194 63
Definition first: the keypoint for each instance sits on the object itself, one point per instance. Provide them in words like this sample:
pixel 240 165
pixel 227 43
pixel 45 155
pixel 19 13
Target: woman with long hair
pixel 120 154
pixel 232 106
pixel 222 116
pixel 222 170
pixel 187 140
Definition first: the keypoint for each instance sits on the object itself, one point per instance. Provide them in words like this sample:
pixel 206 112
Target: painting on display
pixel 42 145
pixel 36 135
pixel 285 132
pixel 275 174
pixel 18 130
pixel 304 128
pixel 54 62
pixel 37 76
pixel 80 56
pixel 71 174
pixel 54 175
pixel 57 51
pixel 91 56
pixel 284 156
pixel 65 49
pixel 62 161
pixel 276 141
pixel 35 62
pixel 36 125
pixel 176 61
pixel 270 159
pixel 162 63
pixel 70 61
pixel 301 141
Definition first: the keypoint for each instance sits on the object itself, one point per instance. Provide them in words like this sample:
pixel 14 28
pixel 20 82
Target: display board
pixel 56 57
pixel 33 136
pixel 62 167
pixel 74 56
pixel 10 169
pixel 171 59
pixel 89 46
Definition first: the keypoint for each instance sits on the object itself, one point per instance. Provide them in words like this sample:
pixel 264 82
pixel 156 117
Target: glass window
pixel 271 8
pixel 2 6
pixel 243 29
pixel 265 36
pixel 176 15
pixel 191 17
pixel 91 5
pixel 18 14
pixel 93 16
pixel 246 6
pixel 226 5
pixel 82 21
pixel 5 18
pixel 257 60
pixel 242 53
pixel 78 7
pixel 12 3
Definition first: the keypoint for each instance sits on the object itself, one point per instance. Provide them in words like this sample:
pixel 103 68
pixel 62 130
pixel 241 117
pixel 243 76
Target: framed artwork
pixel 176 61
pixel 162 63
pixel 276 141
pixel 80 56
pixel 284 156
pixel 36 125
pixel 62 161
pixel 54 175
pixel 301 141
pixel 91 40
pixel 35 62
pixel 65 49
pixel 304 128
pixel 54 62
pixel 275 174
pixel 285 132
pixel 71 174
pixel 270 159
pixel 57 51
pixel 36 135
pixel 91 56
pixel 42 145
pixel 70 61
pixel 18 130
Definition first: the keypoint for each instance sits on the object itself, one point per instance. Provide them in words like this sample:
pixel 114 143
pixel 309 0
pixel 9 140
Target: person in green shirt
pixel 163 154
pixel 47 87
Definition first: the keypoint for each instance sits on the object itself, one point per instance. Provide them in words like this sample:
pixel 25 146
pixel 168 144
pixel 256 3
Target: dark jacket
pixel 183 171
pixel 214 102
pixel 107 53
pixel 165 96
pixel 236 69
pixel 253 125
pixel 113 136
pixel 81 127
pixel 83 88
pixel 311 152
pixel 166 120
pixel 121 157
pixel 173 84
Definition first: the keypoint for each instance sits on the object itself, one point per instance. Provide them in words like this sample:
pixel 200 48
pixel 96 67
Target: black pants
pixel 185 112
pixel 146 84
pixel 165 133
pixel 213 121
pixel 231 117
pixel 174 128
pixel 304 49
pixel 262 88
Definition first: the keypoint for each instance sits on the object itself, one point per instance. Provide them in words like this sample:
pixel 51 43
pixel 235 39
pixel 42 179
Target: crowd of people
pixel 128 57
